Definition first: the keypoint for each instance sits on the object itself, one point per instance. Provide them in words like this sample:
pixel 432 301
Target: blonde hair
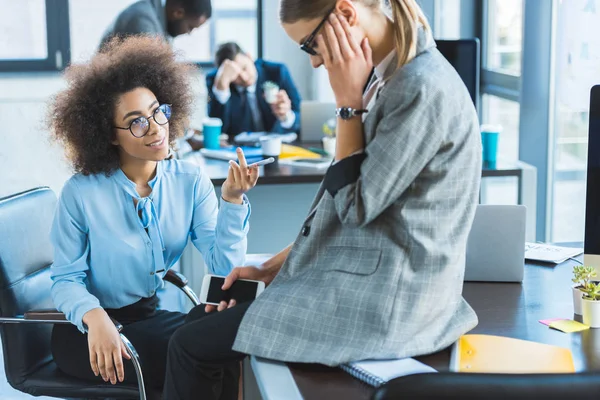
pixel 407 16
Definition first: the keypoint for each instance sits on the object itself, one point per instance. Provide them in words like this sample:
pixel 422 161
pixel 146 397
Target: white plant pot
pixel 577 297
pixel 329 145
pixel 591 312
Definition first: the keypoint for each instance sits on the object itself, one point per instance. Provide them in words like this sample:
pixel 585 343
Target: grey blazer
pixel 142 17
pixel 377 269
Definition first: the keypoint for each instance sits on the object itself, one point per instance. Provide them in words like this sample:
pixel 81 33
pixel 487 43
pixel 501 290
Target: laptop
pixel 496 244
pixel 313 115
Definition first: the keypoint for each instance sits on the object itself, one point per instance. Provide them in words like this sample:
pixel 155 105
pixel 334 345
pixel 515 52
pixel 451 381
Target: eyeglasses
pixel 307 44
pixel 140 126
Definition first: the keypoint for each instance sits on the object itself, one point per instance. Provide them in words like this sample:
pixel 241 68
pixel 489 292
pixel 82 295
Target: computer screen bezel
pixel 592 209
pixel 474 47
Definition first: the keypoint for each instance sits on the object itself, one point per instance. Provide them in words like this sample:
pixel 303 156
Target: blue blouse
pixel 106 255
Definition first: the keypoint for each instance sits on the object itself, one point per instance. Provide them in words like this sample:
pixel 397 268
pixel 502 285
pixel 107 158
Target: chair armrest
pixel 55 315
pixel 176 279
pixel 46 315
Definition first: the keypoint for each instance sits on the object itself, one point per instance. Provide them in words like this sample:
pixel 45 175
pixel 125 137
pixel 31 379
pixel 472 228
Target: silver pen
pixel 262 162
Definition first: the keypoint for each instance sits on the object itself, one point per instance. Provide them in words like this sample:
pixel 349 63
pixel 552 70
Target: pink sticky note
pixel 547 322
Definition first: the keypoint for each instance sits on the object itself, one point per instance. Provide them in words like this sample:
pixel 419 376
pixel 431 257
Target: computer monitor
pixel 464 55
pixel 592 201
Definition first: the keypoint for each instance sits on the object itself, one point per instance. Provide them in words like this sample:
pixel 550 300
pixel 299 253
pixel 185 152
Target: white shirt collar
pixel 382 67
pixel 249 89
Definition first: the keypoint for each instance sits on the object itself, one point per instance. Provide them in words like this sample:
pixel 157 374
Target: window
pixel 32 35
pixel 504 36
pixel 498 111
pixel 577 66
pixel 87 32
pixel 45 35
pixel 232 20
pixel 502 43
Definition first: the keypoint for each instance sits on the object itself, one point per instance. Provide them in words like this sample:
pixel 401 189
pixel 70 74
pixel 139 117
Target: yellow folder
pixel 497 354
pixel 288 151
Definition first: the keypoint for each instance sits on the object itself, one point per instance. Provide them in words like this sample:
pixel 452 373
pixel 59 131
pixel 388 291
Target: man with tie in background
pixel 236 94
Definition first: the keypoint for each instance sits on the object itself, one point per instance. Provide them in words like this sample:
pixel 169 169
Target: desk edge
pixel 274 379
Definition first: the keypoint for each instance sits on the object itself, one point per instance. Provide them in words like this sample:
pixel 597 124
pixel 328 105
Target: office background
pixel 539 59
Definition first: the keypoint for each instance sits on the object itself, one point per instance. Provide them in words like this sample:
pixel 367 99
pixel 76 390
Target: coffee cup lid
pixel 491 128
pixel 212 122
pixel 268 138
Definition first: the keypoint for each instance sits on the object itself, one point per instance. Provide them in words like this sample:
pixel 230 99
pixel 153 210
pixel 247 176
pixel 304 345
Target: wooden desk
pixel 504 309
pixel 280 173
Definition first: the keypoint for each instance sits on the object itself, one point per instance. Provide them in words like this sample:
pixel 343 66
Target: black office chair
pixel 25 258
pixel 447 385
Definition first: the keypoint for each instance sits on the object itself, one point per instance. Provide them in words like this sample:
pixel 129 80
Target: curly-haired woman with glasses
pixel 126 216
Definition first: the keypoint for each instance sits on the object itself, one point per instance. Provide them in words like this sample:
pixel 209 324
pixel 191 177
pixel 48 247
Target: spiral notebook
pixel 379 372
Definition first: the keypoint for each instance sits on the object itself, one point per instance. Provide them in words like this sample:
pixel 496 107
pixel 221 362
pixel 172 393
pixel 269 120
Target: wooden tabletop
pixel 268 175
pixel 282 174
pixel 505 309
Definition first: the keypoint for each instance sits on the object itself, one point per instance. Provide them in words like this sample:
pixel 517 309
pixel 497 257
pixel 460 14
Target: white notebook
pixel 379 372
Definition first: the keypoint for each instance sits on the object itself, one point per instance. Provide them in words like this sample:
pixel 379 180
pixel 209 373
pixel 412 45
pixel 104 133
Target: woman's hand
pixel 106 348
pixel 240 180
pixel 348 63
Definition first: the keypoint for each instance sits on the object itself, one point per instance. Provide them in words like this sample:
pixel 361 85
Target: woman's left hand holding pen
pixel 240 179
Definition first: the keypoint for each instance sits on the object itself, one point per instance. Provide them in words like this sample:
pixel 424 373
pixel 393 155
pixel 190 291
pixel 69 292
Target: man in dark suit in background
pixel 236 94
pixel 165 18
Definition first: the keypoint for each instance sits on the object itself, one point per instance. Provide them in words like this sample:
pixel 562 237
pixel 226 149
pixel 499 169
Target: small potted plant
pixel 581 276
pixel 590 294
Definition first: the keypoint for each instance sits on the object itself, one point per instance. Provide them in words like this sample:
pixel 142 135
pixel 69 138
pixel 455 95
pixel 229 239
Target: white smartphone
pixel 241 291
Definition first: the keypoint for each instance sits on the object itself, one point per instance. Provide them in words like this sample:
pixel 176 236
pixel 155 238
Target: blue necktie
pixel 250 99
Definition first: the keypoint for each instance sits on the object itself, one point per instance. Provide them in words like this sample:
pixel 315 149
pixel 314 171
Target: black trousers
pixel 147 328
pixel 201 363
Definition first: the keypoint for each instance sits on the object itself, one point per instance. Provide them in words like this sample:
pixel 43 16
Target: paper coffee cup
pixel 211 131
pixel 489 142
pixel 271 95
pixel 271 146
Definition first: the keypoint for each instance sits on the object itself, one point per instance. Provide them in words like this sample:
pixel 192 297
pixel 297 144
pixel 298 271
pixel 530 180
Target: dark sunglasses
pixel 140 126
pixel 307 44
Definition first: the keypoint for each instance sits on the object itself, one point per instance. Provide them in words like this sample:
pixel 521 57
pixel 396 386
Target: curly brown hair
pixel 81 116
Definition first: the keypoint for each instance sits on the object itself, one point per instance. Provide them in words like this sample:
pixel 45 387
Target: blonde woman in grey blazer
pixel 377 268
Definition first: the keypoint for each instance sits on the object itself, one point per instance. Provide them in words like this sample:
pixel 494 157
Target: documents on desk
pixel 549 253
pixel 503 355
pixel 229 153
pixel 253 138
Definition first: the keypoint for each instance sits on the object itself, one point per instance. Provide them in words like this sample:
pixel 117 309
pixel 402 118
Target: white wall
pixel 28 158
pixel 278 47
